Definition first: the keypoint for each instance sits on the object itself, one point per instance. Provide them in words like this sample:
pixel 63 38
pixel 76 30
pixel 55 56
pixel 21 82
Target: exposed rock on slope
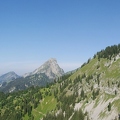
pixel 50 68
pixel 45 74
pixel 8 77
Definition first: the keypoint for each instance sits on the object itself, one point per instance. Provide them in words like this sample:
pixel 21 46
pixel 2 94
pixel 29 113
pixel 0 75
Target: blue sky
pixel 33 31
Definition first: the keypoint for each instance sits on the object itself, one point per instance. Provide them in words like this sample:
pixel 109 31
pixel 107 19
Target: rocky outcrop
pixel 50 68
pixel 8 77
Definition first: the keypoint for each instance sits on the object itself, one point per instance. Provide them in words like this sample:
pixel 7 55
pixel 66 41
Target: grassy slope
pixel 48 104
pixel 110 72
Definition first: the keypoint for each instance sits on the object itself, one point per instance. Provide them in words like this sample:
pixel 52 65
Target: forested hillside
pixel 92 92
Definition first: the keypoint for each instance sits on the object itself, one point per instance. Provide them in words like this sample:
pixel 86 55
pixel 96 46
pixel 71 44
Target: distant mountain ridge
pixel 41 76
pixel 91 92
pixel 8 77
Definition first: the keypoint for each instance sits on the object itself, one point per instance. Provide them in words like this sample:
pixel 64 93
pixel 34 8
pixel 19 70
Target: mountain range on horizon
pixel 36 71
pixel 46 73
pixel 92 92
pixel 50 68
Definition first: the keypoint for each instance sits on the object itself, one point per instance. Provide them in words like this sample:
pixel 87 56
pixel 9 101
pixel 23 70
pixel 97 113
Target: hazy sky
pixel 72 31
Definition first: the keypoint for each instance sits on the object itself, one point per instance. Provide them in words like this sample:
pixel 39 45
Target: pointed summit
pixel 50 68
pixel 52 60
pixel 8 76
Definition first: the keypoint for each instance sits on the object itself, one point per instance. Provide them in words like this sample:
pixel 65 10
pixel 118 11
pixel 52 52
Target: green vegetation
pixel 108 96
pixel 23 83
pixel 102 114
pixel 116 103
pixel 97 81
pixel 109 52
pixel 109 107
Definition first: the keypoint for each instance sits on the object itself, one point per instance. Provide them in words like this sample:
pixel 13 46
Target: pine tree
pixel 93 93
pixel 82 94
pixel 109 107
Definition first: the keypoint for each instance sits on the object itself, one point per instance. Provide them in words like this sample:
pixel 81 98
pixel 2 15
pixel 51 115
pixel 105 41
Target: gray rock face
pixel 50 68
pixel 8 77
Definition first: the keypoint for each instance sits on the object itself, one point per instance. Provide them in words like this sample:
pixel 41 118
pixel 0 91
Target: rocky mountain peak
pixel 52 60
pixel 50 68
pixel 8 76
